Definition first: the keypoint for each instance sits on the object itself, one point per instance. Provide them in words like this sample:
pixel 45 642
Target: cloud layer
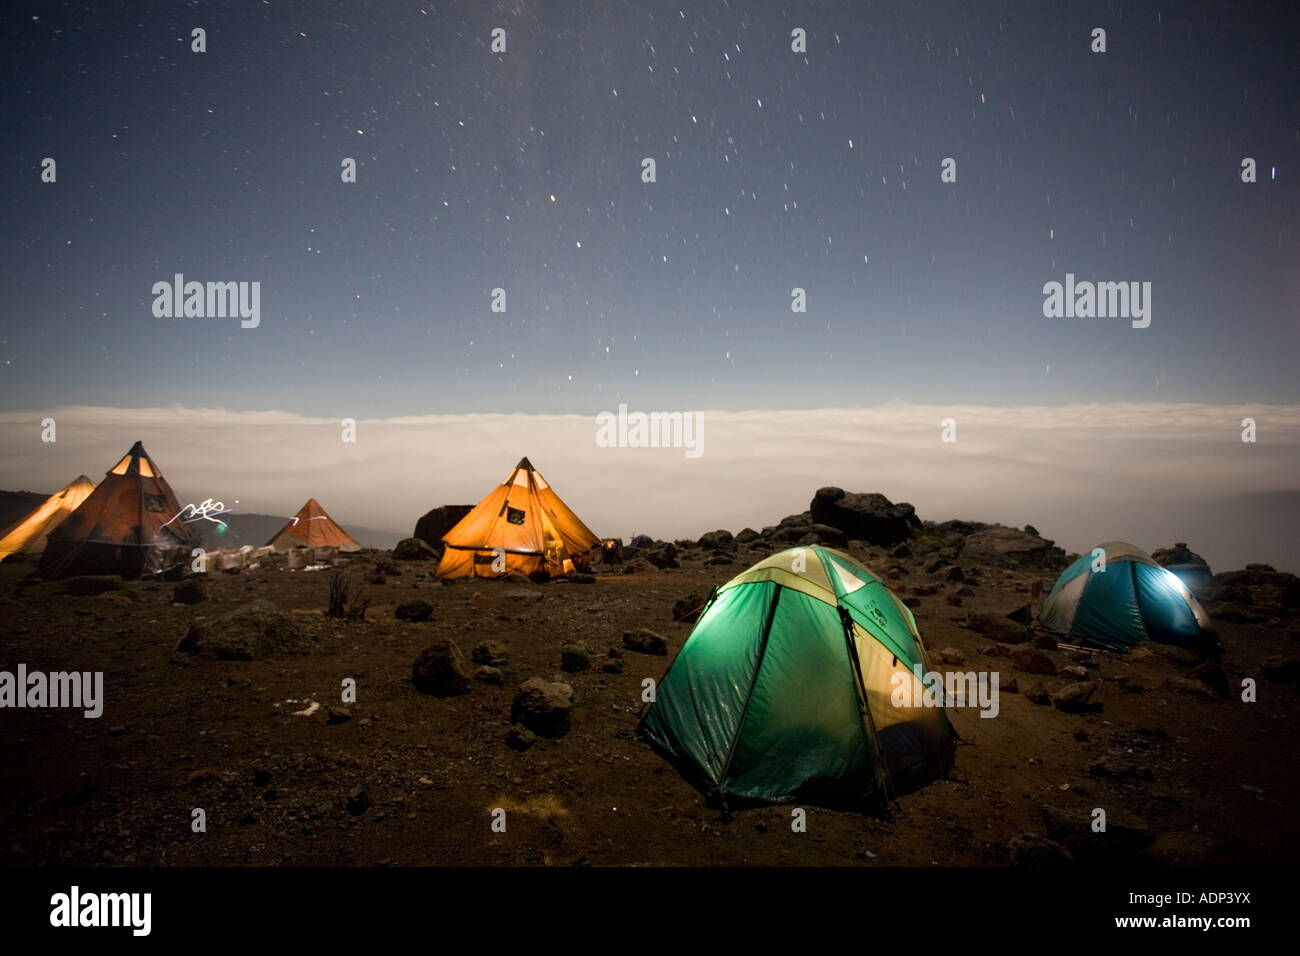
pixel 1147 473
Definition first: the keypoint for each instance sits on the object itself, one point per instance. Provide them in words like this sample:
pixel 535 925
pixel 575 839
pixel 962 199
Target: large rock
pixel 1011 546
pixel 688 609
pixel 1073 698
pixel 869 517
pixel 543 707
pixel 809 534
pixel 414 611
pixel 998 627
pixel 1178 554
pixel 1033 662
pixel 645 641
pixel 415 549
pixel 440 670
pixel 662 556
pixel 717 541
pixel 436 523
pixel 1123 839
pixel 254 630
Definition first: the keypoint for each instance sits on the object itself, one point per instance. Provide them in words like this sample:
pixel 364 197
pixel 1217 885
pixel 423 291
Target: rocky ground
pixel 224 693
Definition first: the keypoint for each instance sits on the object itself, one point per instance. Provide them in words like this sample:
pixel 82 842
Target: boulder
pixel 645 641
pixel 520 738
pixel 1011 546
pixel 440 670
pixel 687 610
pixel 998 627
pixel 1180 555
pixel 662 556
pixel 869 517
pixel 543 707
pixel 1212 676
pixel 490 652
pixel 1037 693
pixel 1073 698
pixel 574 658
pixel 414 611
pixel 1032 661
pixel 415 549
pixel 1031 849
pixel 252 631
pixel 1125 835
pixel 1022 615
pixel 746 536
pixel 436 523
pixel 717 541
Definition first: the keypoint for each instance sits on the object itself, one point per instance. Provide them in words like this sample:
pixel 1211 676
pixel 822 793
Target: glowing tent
pixel 311 527
pixel 129 525
pixel 28 534
pixel 800 681
pixel 1122 597
pixel 521 526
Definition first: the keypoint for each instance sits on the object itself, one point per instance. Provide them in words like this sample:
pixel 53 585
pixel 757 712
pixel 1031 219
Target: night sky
pixel 522 170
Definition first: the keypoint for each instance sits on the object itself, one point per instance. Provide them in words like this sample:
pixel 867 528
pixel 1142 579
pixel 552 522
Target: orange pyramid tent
pixel 28 534
pixel 129 525
pixel 521 526
pixel 312 527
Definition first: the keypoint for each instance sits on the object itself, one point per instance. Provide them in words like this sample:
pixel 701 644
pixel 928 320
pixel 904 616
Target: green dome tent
pixel 1123 597
pixel 785 689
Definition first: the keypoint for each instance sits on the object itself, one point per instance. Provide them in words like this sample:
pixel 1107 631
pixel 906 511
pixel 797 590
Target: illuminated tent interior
pixel 521 526
pixel 129 525
pixel 312 527
pixel 784 690
pixel 28 534
pixel 1121 597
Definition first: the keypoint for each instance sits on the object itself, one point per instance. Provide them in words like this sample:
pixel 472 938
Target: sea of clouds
pixel 1147 473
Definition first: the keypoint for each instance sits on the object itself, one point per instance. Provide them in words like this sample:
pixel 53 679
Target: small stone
pixel 645 641
pixel 359 802
pixel 574 658
pixel 414 612
pixel 520 738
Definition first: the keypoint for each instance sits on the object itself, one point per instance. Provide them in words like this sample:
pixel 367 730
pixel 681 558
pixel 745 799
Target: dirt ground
pixel 1211 779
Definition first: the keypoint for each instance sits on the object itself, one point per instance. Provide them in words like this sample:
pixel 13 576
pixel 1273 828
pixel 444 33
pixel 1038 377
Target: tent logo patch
pixel 514 515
